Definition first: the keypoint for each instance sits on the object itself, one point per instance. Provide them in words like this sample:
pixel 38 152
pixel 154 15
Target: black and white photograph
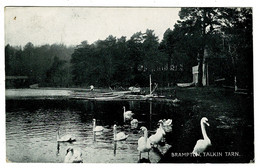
pixel 129 84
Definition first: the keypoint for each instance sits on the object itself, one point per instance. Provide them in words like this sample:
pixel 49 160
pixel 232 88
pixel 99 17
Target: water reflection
pixel 31 127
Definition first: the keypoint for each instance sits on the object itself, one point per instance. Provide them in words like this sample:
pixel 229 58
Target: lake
pixel 31 129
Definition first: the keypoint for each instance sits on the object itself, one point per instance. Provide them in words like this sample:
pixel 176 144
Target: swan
pixel 121 136
pixel 144 143
pixel 167 125
pixel 176 100
pixel 97 128
pixel 202 144
pixel 65 138
pixel 73 156
pixel 134 124
pixel 158 136
pixel 167 122
pixel 128 115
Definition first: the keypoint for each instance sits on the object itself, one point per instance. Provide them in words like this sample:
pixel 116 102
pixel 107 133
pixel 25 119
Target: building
pixel 205 75
pixel 16 81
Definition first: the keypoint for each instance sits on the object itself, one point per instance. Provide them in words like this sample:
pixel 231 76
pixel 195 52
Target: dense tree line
pixel 118 62
pixel 47 65
pixel 221 37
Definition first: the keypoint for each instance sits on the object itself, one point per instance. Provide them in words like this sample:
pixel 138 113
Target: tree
pixel 80 64
pixel 35 61
pixel 238 44
pixel 135 48
pixel 199 23
pixel 122 64
pixel 151 55
pixel 56 75
pixel 9 55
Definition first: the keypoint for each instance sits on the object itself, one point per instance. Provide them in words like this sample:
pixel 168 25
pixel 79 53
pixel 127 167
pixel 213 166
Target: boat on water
pixel 135 89
pixel 186 84
pixel 103 98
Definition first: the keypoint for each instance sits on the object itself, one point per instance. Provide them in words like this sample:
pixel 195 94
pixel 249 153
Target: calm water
pixel 31 129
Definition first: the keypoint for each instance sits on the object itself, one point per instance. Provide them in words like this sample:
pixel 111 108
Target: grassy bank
pixel 231 119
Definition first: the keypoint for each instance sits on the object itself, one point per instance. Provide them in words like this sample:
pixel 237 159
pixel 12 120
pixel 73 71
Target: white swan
pixel 73 156
pixel 202 144
pixel 121 136
pixel 65 138
pixel 144 143
pixel 176 100
pixel 158 136
pixel 167 122
pixel 97 128
pixel 128 115
pixel 134 123
pixel 167 125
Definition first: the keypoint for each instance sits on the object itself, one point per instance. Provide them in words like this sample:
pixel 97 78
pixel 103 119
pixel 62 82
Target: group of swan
pixel 74 155
pixel 202 144
pixel 145 144
pixel 128 115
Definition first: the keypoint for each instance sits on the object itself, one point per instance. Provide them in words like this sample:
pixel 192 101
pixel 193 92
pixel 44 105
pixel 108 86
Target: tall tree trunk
pixel 234 66
pixel 168 71
pixel 200 68
pixel 201 51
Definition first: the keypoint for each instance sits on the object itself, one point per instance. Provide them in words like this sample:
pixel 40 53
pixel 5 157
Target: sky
pixel 72 25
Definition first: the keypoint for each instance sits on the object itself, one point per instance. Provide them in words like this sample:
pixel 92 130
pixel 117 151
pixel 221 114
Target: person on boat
pixel 91 88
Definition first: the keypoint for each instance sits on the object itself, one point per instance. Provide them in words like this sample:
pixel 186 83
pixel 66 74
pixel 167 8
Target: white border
pixel 131 3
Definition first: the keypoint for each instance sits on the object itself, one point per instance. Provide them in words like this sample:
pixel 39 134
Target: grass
pixel 231 119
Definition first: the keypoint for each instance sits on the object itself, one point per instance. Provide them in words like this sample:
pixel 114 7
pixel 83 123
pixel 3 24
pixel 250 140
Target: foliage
pixel 225 33
pixel 37 62
pixel 238 43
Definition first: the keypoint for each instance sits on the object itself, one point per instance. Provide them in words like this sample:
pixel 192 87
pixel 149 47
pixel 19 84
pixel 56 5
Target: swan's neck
pixel 94 124
pixel 161 127
pixel 145 135
pixel 203 130
pixel 114 132
pixel 124 113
